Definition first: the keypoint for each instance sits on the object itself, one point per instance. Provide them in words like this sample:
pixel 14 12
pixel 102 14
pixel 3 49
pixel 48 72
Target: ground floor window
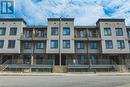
pixel 93 58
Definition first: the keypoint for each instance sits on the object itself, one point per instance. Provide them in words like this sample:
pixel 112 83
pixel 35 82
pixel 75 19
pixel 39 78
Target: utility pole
pixel 60 41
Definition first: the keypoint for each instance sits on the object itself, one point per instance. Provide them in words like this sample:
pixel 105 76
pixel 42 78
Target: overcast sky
pixel 85 12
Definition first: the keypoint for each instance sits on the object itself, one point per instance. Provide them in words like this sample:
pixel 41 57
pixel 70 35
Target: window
pixel 54 30
pixel 2 31
pixel 129 33
pixel 109 44
pixel 27 45
pixel 80 45
pixel 81 59
pixel 120 44
pixel 39 33
pixel 66 43
pixel 13 31
pixel 107 31
pixel 1 43
pixel 39 45
pixel 11 44
pixel 28 33
pixel 119 32
pixel 93 45
pixel 129 45
pixel 93 59
pixel 66 31
pixel 54 43
pixel 80 33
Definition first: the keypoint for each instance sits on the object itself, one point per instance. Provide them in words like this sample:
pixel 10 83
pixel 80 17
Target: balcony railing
pixel 32 37
pixel 88 37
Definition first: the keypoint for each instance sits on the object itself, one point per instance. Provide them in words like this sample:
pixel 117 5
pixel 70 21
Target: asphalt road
pixel 63 81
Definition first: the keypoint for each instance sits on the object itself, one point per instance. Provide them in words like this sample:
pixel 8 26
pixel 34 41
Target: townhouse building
pixel 63 47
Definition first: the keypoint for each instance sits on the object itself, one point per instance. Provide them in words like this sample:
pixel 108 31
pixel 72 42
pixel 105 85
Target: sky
pixel 85 12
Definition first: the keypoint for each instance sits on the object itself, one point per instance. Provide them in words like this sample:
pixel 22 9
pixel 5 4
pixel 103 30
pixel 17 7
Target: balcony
pixel 94 37
pixel 32 37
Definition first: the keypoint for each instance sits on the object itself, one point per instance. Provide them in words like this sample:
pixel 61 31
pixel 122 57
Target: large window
pixel 13 31
pixel 39 33
pixel 54 30
pixel 80 45
pixel 28 33
pixel 54 43
pixel 107 31
pixel 120 44
pixel 93 45
pixel 81 59
pixel 93 58
pixel 2 31
pixel 1 43
pixel 119 32
pixel 27 45
pixel 39 45
pixel 66 31
pixel 11 44
pixel 66 43
pixel 109 44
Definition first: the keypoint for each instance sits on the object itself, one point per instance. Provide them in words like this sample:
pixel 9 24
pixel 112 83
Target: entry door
pixel 56 59
pixel 63 60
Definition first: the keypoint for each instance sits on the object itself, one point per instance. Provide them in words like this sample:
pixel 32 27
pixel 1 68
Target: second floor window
pixel 54 30
pixel 54 43
pixel 66 43
pixel 11 44
pixel 109 44
pixel 107 31
pixel 39 45
pixel 13 31
pixel 119 32
pixel 1 43
pixel 2 31
pixel 93 45
pixel 80 45
pixel 27 45
pixel 66 31
pixel 120 44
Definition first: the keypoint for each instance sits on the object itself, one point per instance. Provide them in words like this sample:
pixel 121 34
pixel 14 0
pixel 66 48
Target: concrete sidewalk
pixel 64 74
pixel 126 85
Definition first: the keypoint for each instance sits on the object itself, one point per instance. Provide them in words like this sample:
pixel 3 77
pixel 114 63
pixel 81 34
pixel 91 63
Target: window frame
pixel 11 44
pixel 10 33
pixel 54 30
pixel 2 44
pixel 55 43
pixel 92 45
pixel 107 44
pixel 40 45
pixel 3 28
pixel 80 45
pixel 27 45
pixel 118 32
pixel 65 31
pixel 67 46
pixel 107 31
pixel 121 43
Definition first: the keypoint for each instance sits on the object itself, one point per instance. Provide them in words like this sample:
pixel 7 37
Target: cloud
pixel 85 12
